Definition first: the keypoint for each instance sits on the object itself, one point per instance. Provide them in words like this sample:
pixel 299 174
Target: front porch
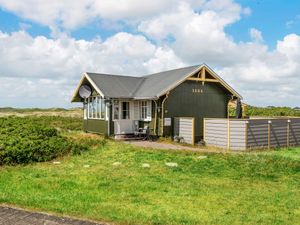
pixel 121 118
pixel 128 116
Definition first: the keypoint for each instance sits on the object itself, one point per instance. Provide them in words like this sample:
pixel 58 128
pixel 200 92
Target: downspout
pixel 155 119
pixel 228 124
pixel 108 105
pixel 162 113
pixel 228 111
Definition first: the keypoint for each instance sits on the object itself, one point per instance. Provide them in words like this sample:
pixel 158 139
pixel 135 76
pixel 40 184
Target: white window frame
pixel 116 103
pixel 94 107
pixel 143 110
pixel 119 104
pixel 147 107
pixel 125 110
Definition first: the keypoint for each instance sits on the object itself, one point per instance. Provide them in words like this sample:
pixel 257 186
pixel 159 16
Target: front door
pixel 122 115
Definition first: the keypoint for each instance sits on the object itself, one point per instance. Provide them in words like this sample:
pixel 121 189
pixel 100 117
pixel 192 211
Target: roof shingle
pixel 147 87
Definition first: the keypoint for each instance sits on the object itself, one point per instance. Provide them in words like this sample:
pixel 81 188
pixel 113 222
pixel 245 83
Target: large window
pixel 143 110
pixel 96 108
pixel 125 110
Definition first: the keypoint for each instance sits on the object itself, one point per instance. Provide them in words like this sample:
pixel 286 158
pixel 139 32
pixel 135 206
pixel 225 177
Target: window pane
pixel 116 110
pixel 90 108
pixel 143 110
pixel 102 109
pixel 85 110
pixel 94 107
pixel 125 110
pixel 98 107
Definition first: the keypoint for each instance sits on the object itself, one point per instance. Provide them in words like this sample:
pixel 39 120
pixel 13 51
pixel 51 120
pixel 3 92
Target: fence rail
pixel 245 134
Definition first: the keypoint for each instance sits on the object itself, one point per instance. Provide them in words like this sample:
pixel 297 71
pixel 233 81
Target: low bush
pixel 27 140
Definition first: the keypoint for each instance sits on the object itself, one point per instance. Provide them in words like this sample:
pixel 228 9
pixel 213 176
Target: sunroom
pixel 126 116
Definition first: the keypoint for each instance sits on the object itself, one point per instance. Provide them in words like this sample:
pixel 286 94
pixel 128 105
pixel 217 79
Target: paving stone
pixel 11 216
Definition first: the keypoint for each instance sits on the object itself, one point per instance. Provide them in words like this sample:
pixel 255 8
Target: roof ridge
pixel 148 75
pixel 139 85
pixel 116 75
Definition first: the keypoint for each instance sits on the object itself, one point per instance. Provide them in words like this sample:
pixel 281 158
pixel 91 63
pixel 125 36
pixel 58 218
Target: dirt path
pixel 169 146
pixel 12 216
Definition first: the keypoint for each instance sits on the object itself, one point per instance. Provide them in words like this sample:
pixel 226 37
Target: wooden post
pixel 269 134
pixel 246 133
pixel 203 75
pixel 228 134
pixel 204 129
pixel 193 131
pixel 288 133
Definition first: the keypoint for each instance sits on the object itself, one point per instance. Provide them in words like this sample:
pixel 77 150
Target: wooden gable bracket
pixel 201 77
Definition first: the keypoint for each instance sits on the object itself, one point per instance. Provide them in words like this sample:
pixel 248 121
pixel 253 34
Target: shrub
pixel 27 140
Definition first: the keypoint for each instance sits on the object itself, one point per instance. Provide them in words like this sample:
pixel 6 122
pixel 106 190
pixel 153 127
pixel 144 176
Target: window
pixel 90 108
pixel 116 110
pixel 96 108
pixel 98 103
pixel 143 110
pixel 102 114
pixel 125 110
pixel 85 110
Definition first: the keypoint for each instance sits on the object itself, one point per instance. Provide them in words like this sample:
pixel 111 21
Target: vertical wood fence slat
pixel 228 134
pixel 288 134
pixel 269 134
pixel 246 134
pixel 233 134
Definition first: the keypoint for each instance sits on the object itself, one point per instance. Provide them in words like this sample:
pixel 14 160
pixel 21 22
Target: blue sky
pixel 48 45
pixel 274 18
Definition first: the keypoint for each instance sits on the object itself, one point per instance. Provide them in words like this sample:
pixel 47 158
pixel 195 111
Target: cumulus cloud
pixel 31 65
pixel 269 78
pixel 171 34
pixel 249 66
pixel 69 14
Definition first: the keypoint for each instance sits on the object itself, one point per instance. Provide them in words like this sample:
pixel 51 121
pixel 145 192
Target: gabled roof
pixel 146 87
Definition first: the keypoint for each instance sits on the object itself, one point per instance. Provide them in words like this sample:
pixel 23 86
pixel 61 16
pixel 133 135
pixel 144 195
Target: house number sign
pixel 197 90
pixel 167 121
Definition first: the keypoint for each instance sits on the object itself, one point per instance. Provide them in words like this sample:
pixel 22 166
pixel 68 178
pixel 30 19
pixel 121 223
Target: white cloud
pixel 36 70
pixel 199 36
pixel 256 35
pixel 29 65
pixel 257 73
pixel 71 14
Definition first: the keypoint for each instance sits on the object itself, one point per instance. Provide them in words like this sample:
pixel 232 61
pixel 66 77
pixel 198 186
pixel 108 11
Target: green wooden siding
pixel 95 126
pixel 192 99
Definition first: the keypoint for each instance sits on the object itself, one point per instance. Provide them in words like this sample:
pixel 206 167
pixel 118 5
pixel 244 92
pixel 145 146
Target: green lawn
pixel 256 188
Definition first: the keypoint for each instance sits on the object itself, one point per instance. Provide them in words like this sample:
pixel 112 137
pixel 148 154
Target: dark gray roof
pixel 115 86
pixel 145 87
pixel 150 86
pixel 156 84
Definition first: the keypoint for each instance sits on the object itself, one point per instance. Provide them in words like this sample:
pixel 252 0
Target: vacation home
pixel 168 102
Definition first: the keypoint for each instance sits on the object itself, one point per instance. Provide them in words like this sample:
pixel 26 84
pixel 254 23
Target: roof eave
pixel 90 80
pixel 175 84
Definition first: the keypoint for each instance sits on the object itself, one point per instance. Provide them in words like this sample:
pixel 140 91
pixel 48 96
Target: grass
pixel 252 188
pixel 289 153
pixel 37 112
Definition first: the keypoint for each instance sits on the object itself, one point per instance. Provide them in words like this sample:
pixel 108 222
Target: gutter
pixel 155 117
pixel 162 113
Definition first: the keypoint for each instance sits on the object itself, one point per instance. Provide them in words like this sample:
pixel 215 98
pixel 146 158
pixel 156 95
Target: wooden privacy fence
pixel 243 134
pixel 184 128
